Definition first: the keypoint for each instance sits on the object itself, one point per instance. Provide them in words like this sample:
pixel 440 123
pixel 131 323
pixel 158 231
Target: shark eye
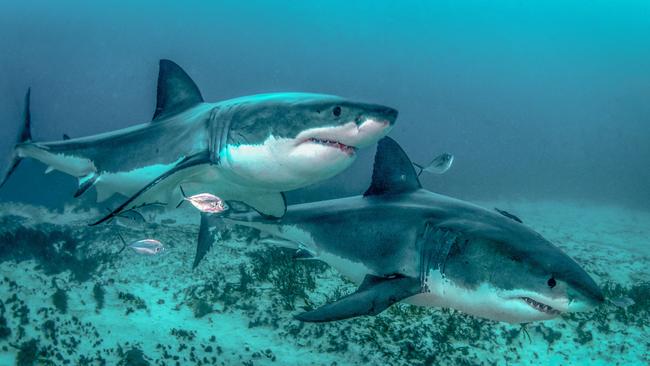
pixel 551 282
pixel 336 111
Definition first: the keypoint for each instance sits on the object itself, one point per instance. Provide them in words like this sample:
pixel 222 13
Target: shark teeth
pixel 345 148
pixel 540 307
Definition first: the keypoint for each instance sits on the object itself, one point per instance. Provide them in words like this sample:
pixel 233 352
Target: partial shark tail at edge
pixel 25 136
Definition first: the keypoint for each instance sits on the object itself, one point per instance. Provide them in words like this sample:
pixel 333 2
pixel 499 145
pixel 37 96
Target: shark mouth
pixel 540 307
pixel 349 150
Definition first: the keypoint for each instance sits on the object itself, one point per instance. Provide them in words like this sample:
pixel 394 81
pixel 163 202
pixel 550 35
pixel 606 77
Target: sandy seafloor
pixel 236 308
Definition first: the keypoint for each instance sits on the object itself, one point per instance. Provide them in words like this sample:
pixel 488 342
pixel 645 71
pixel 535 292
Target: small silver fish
pixel 205 202
pixel 622 302
pixel 438 165
pixel 132 217
pixel 144 246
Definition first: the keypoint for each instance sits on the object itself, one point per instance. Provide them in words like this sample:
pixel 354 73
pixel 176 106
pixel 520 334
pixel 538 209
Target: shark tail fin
pixel 25 136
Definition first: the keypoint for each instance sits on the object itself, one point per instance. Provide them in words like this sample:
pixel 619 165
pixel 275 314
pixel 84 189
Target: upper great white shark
pixel 400 242
pixel 248 149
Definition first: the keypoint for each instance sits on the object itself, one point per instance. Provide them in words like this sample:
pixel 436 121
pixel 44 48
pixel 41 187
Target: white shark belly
pixel 484 301
pixel 204 178
pixel 130 182
pixel 283 164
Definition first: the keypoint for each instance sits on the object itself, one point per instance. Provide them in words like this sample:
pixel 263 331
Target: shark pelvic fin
pixel 176 91
pixel 188 162
pixel 85 183
pixel 374 295
pixel 393 171
pixel 66 137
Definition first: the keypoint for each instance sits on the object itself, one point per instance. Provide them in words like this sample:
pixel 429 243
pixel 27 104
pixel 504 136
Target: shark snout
pixel 585 298
pixel 583 292
pixel 389 114
pixel 379 113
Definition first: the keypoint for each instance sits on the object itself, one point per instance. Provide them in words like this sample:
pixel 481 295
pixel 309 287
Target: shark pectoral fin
pixel 85 183
pixel 210 224
pixel 188 162
pixel 374 295
pixel 271 205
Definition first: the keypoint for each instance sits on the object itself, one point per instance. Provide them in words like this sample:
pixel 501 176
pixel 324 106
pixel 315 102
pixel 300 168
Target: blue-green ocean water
pixel 543 104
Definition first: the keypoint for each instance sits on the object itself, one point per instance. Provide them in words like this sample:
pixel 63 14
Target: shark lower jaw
pixel 527 306
pixel 346 138
pixel 541 307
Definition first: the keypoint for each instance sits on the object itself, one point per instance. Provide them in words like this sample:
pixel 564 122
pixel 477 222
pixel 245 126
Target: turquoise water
pixel 543 105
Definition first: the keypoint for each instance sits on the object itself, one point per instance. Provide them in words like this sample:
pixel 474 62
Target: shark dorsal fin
pixel 393 171
pixel 176 91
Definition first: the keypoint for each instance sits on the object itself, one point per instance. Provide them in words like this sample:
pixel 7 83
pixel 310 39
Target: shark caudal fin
pixel 25 136
pixel 393 172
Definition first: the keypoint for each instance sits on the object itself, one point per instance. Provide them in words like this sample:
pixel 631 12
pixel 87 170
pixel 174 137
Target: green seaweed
pixel 133 357
pixel 28 353
pixel 135 302
pixel 54 250
pixel 99 294
pixel 60 300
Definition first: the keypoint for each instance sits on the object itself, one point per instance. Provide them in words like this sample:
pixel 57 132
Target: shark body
pixel 250 149
pixel 400 242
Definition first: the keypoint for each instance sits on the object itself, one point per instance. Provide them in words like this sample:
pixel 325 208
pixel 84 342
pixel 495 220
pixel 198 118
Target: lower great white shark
pixel 249 149
pixel 400 242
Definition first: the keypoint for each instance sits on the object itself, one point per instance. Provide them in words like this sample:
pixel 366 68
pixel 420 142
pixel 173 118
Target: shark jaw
pixel 347 137
pixel 315 154
pixel 486 301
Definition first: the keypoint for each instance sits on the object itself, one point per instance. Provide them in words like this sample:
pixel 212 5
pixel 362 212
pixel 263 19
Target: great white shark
pixel 250 149
pixel 400 242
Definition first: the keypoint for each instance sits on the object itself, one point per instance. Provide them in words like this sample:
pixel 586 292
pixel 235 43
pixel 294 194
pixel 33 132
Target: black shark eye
pixel 551 282
pixel 336 111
